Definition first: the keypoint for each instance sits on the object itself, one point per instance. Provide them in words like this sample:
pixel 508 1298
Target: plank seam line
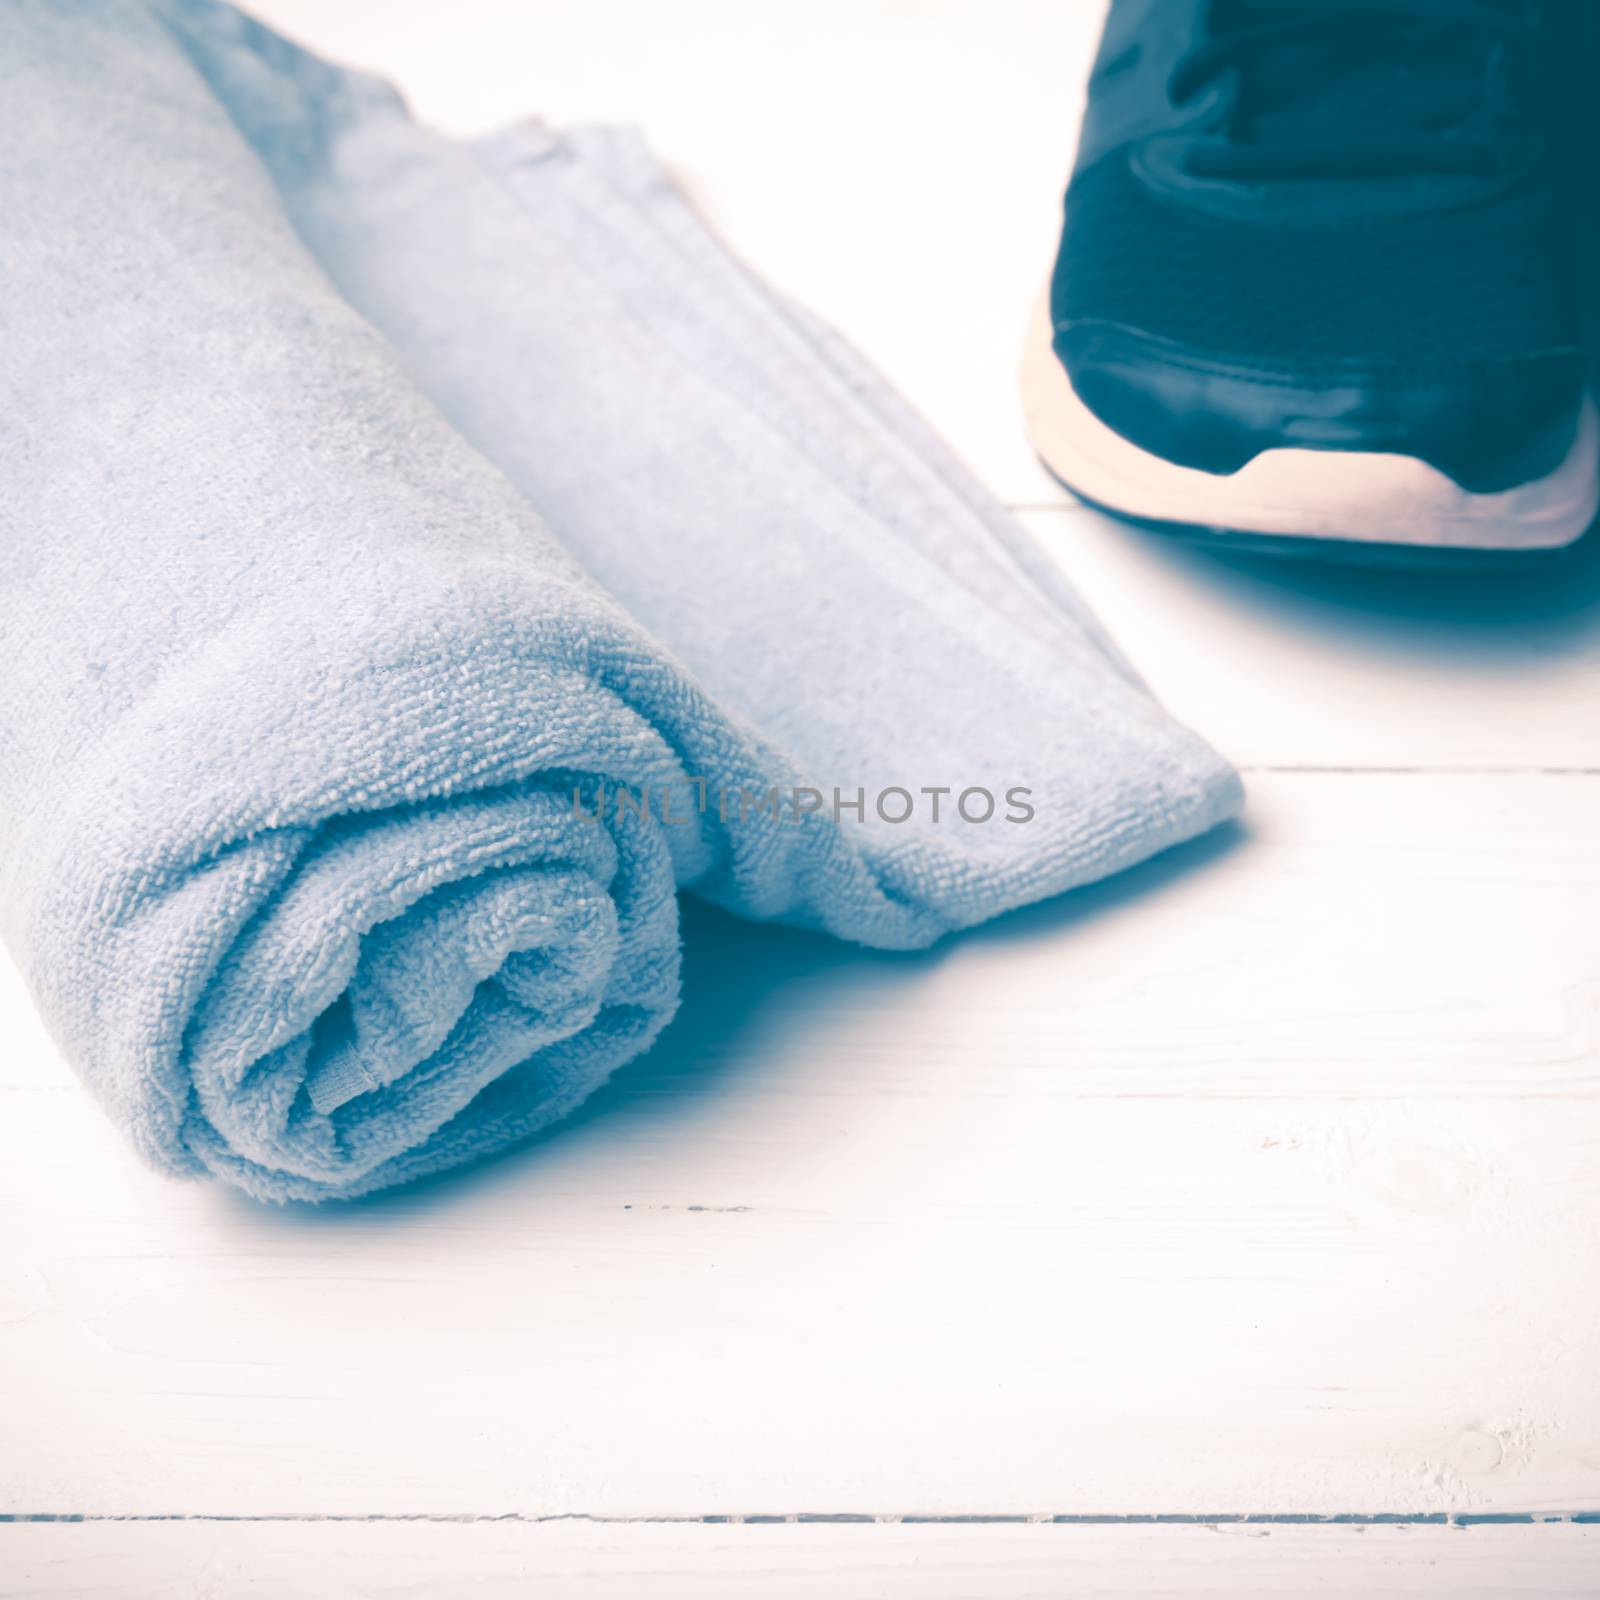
pixel 1022 508
pixel 1157 1519
pixel 1322 770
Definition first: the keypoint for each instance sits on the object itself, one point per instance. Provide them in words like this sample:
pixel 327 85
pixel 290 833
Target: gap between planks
pixel 1151 1519
pixel 1349 770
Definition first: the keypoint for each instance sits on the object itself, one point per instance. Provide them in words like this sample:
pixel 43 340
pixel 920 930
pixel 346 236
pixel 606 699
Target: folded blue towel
pixel 420 560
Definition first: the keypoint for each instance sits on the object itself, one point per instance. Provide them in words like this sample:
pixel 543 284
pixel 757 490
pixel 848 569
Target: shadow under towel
pixel 421 560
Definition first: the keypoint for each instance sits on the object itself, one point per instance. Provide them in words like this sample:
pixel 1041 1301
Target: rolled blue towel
pixel 420 561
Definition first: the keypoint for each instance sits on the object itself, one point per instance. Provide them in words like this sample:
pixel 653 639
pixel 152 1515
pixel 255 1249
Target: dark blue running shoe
pixel 1315 279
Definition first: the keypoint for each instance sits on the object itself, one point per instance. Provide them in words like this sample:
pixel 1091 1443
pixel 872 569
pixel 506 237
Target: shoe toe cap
pixel 1486 424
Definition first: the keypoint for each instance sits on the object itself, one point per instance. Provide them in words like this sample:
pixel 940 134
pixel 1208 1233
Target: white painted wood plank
pixel 1272 1184
pixel 898 168
pixel 1329 666
pixel 576 1561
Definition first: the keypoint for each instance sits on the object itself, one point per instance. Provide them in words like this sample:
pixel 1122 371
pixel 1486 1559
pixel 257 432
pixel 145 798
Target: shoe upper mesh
pixel 1425 289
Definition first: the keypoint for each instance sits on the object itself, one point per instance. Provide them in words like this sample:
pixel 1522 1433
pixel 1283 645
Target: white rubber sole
pixel 1362 497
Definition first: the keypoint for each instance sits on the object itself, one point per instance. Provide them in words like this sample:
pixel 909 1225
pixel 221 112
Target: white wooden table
pixel 1232 1228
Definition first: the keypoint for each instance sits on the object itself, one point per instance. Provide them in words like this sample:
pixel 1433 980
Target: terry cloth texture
pixel 387 523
